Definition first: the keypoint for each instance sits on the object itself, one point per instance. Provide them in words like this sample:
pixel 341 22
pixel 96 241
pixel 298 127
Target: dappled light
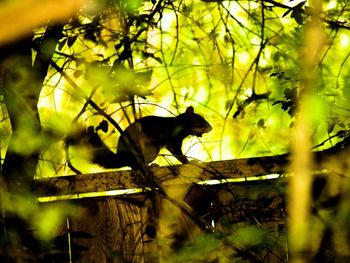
pixel 174 131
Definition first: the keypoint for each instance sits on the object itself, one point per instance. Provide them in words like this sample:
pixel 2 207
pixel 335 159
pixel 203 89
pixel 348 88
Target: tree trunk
pixel 21 81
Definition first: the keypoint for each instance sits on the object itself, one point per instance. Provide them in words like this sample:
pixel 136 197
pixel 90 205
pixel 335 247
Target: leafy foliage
pixel 236 59
pixel 239 62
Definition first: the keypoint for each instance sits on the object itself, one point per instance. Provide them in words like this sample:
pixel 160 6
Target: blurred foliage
pixel 239 63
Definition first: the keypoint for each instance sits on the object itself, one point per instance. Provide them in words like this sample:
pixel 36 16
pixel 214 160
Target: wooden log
pixel 166 175
pixel 128 182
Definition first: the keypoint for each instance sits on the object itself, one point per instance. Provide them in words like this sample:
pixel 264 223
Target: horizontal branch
pixel 167 175
pixel 332 160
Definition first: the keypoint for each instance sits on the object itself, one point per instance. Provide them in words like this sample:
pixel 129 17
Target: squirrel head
pixel 196 124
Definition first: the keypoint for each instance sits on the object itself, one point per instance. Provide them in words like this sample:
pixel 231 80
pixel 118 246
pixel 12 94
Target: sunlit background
pixel 243 65
pixel 206 55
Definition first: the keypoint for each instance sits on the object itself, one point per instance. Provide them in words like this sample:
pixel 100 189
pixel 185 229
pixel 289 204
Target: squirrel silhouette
pixel 142 140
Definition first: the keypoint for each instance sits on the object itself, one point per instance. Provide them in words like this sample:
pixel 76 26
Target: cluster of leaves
pixel 297 12
pixel 290 101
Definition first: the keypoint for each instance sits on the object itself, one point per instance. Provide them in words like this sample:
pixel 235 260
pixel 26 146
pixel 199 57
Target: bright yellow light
pixel 242 179
pixel 167 21
pixel 344 40
pixel 201 95
pixel 187 91
pixel 120 192
pixel 330 5
pixel 243 57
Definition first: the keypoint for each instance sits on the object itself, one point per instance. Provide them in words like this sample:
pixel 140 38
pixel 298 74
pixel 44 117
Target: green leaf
pixel 296 14
pixel 61 44
pixel 331 127
pixel 71 40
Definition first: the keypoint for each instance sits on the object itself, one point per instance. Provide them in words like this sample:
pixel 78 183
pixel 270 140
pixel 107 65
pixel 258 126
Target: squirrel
pixel 142 140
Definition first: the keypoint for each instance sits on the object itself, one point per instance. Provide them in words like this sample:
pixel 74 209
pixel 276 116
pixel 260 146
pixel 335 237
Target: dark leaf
pixel 279 75
pixel 331 127
pixel 158 59
pixel 118 46
pixel 296 14
pixel 103 126
pixel 62 43
pixel 277 102
pixel 342 125
pixel 290 94
pixel 274 74
pixel 292 110
pixel 285 106
pixel 150 55
pixel 71 40
pixel 261 124
pixel 287 92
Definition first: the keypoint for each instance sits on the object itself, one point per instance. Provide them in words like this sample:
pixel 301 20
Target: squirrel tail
pixel 102 155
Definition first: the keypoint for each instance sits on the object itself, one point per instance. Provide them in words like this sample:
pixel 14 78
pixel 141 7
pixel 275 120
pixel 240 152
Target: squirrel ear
pixel 189 110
